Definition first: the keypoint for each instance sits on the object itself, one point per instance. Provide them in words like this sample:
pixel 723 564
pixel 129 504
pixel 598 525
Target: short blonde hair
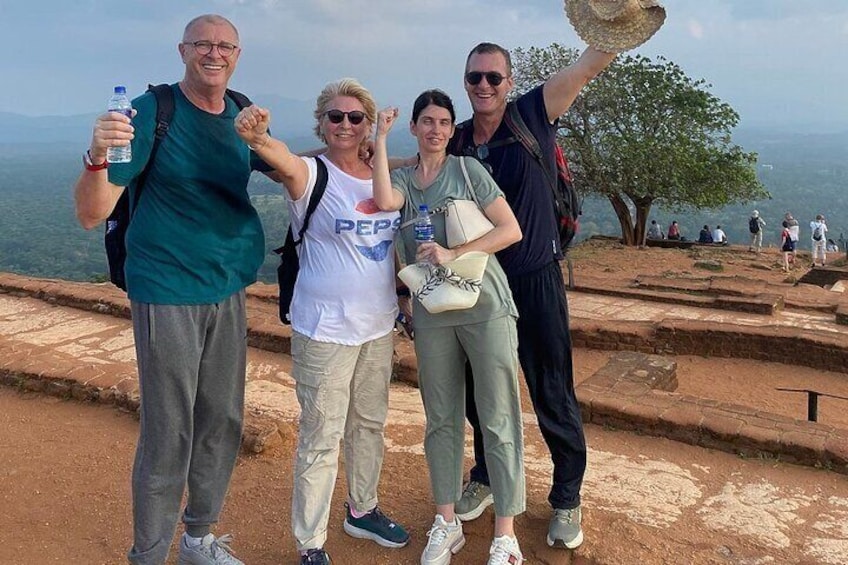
pixel 344 87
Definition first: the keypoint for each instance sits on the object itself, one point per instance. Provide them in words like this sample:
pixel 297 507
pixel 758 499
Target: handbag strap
pixel 442 209
pixel 468 181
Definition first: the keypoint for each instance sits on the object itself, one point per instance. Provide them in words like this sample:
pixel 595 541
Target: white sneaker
pixel 444 541
pixel 505 551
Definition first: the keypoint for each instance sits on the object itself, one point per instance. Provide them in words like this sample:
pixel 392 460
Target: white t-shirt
pixel 345 290
pixel 794 230
pixel 815 224
pixel 719 236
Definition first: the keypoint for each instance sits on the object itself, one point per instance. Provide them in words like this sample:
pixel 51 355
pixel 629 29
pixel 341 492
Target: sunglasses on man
pixel 474 77
pixel 336 116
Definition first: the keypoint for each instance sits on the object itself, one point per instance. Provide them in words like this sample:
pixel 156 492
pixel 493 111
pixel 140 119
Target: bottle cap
pixel 120 90
pixel 422 208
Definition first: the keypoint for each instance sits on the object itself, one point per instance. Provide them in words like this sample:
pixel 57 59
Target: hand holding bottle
pixel 112 129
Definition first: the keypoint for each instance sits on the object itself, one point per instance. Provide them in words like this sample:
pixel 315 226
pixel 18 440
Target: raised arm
pixel 562 88
pixel 94 196
pixel 386 197
pixel 252 126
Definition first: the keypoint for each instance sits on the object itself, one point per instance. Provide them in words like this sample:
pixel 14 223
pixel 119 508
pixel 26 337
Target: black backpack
pixel 119 220
pixel 754 225
pixel 566 200
pixel 289 261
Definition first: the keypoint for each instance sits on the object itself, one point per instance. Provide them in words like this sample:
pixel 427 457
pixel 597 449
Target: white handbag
pixel 456 285
pixel 464 220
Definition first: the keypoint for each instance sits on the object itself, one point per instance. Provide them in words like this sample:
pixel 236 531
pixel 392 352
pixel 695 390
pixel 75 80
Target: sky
pixel 777 62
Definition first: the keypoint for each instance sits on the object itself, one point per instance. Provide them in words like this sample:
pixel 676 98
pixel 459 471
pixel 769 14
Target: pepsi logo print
pixel 367 207
pixel 377 252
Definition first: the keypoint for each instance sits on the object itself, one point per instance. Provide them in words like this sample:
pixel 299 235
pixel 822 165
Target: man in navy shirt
pixel 533 269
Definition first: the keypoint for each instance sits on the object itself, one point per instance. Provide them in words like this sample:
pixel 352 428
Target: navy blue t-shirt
pixel 524 184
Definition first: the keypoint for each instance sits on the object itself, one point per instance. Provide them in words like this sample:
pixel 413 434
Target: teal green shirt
pixel 495 297
pixel 194 238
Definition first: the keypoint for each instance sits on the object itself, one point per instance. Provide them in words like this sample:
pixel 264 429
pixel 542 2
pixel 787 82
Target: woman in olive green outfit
pixel 484 334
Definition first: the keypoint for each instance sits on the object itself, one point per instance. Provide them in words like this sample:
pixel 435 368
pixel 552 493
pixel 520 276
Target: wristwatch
pixel 89 165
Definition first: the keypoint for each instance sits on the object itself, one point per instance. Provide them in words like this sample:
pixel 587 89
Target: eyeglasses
pixel 205 47
pixel 474 77
pixel 481 153
pixel 336 116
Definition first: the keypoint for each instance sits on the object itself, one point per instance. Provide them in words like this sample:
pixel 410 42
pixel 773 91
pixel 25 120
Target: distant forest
pixel 39 235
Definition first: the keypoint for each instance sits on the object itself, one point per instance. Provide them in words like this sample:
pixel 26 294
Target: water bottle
pixel 120 103
pixel 423 229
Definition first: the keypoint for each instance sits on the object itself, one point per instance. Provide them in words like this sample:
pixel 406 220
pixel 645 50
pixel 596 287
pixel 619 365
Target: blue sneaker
pixel 377 527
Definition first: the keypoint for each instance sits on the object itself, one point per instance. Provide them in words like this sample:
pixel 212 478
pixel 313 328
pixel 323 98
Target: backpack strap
pixel 314 199
pixel 241 100
pixel 164 95
pixel 459 147
pixel 456 145
pixel 518 126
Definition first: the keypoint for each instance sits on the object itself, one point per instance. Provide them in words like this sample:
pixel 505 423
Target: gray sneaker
pixel 564 529
pixel 211 551
pixel 475 498
pixel 444 541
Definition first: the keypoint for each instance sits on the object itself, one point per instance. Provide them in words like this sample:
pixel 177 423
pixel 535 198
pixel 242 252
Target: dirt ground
pixel 65 466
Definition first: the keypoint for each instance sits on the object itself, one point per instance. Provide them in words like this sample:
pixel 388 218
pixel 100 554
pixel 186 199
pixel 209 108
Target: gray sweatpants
pixel 191 371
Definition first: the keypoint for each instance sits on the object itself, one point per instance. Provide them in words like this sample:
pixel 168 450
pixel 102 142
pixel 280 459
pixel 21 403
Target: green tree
pixel 644 133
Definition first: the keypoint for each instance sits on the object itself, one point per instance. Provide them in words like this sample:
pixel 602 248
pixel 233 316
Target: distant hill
pixel 40 160
pixel 291 120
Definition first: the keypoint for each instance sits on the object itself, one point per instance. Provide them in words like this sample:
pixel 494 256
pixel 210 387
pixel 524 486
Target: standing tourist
pixel 532 265
pixel 787 247
pixel 342 315
pixel 194 243
pixel 755 226
pixel 818 235
pixel 483 335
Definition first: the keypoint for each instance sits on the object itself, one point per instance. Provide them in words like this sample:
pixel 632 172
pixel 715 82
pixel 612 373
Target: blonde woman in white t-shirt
pixel 342 315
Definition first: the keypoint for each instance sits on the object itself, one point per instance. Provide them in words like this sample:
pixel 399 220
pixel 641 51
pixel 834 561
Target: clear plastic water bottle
pixel 424 228
pixel 120 103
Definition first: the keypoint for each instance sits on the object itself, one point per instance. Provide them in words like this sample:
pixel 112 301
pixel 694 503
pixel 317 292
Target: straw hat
pixel 455 285
pixel 614 26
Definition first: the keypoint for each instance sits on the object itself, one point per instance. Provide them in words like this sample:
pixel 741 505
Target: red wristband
pixel 89 165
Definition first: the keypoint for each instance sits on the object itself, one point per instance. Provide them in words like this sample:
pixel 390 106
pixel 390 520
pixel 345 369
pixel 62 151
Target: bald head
pixel 214 19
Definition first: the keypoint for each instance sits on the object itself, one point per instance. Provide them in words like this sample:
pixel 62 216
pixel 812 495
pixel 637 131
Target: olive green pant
pixel 492 349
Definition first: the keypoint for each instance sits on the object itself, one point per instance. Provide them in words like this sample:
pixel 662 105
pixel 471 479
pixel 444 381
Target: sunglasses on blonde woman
pixel 336 116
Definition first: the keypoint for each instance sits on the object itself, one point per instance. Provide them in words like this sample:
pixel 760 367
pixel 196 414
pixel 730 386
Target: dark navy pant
pixel 544 351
